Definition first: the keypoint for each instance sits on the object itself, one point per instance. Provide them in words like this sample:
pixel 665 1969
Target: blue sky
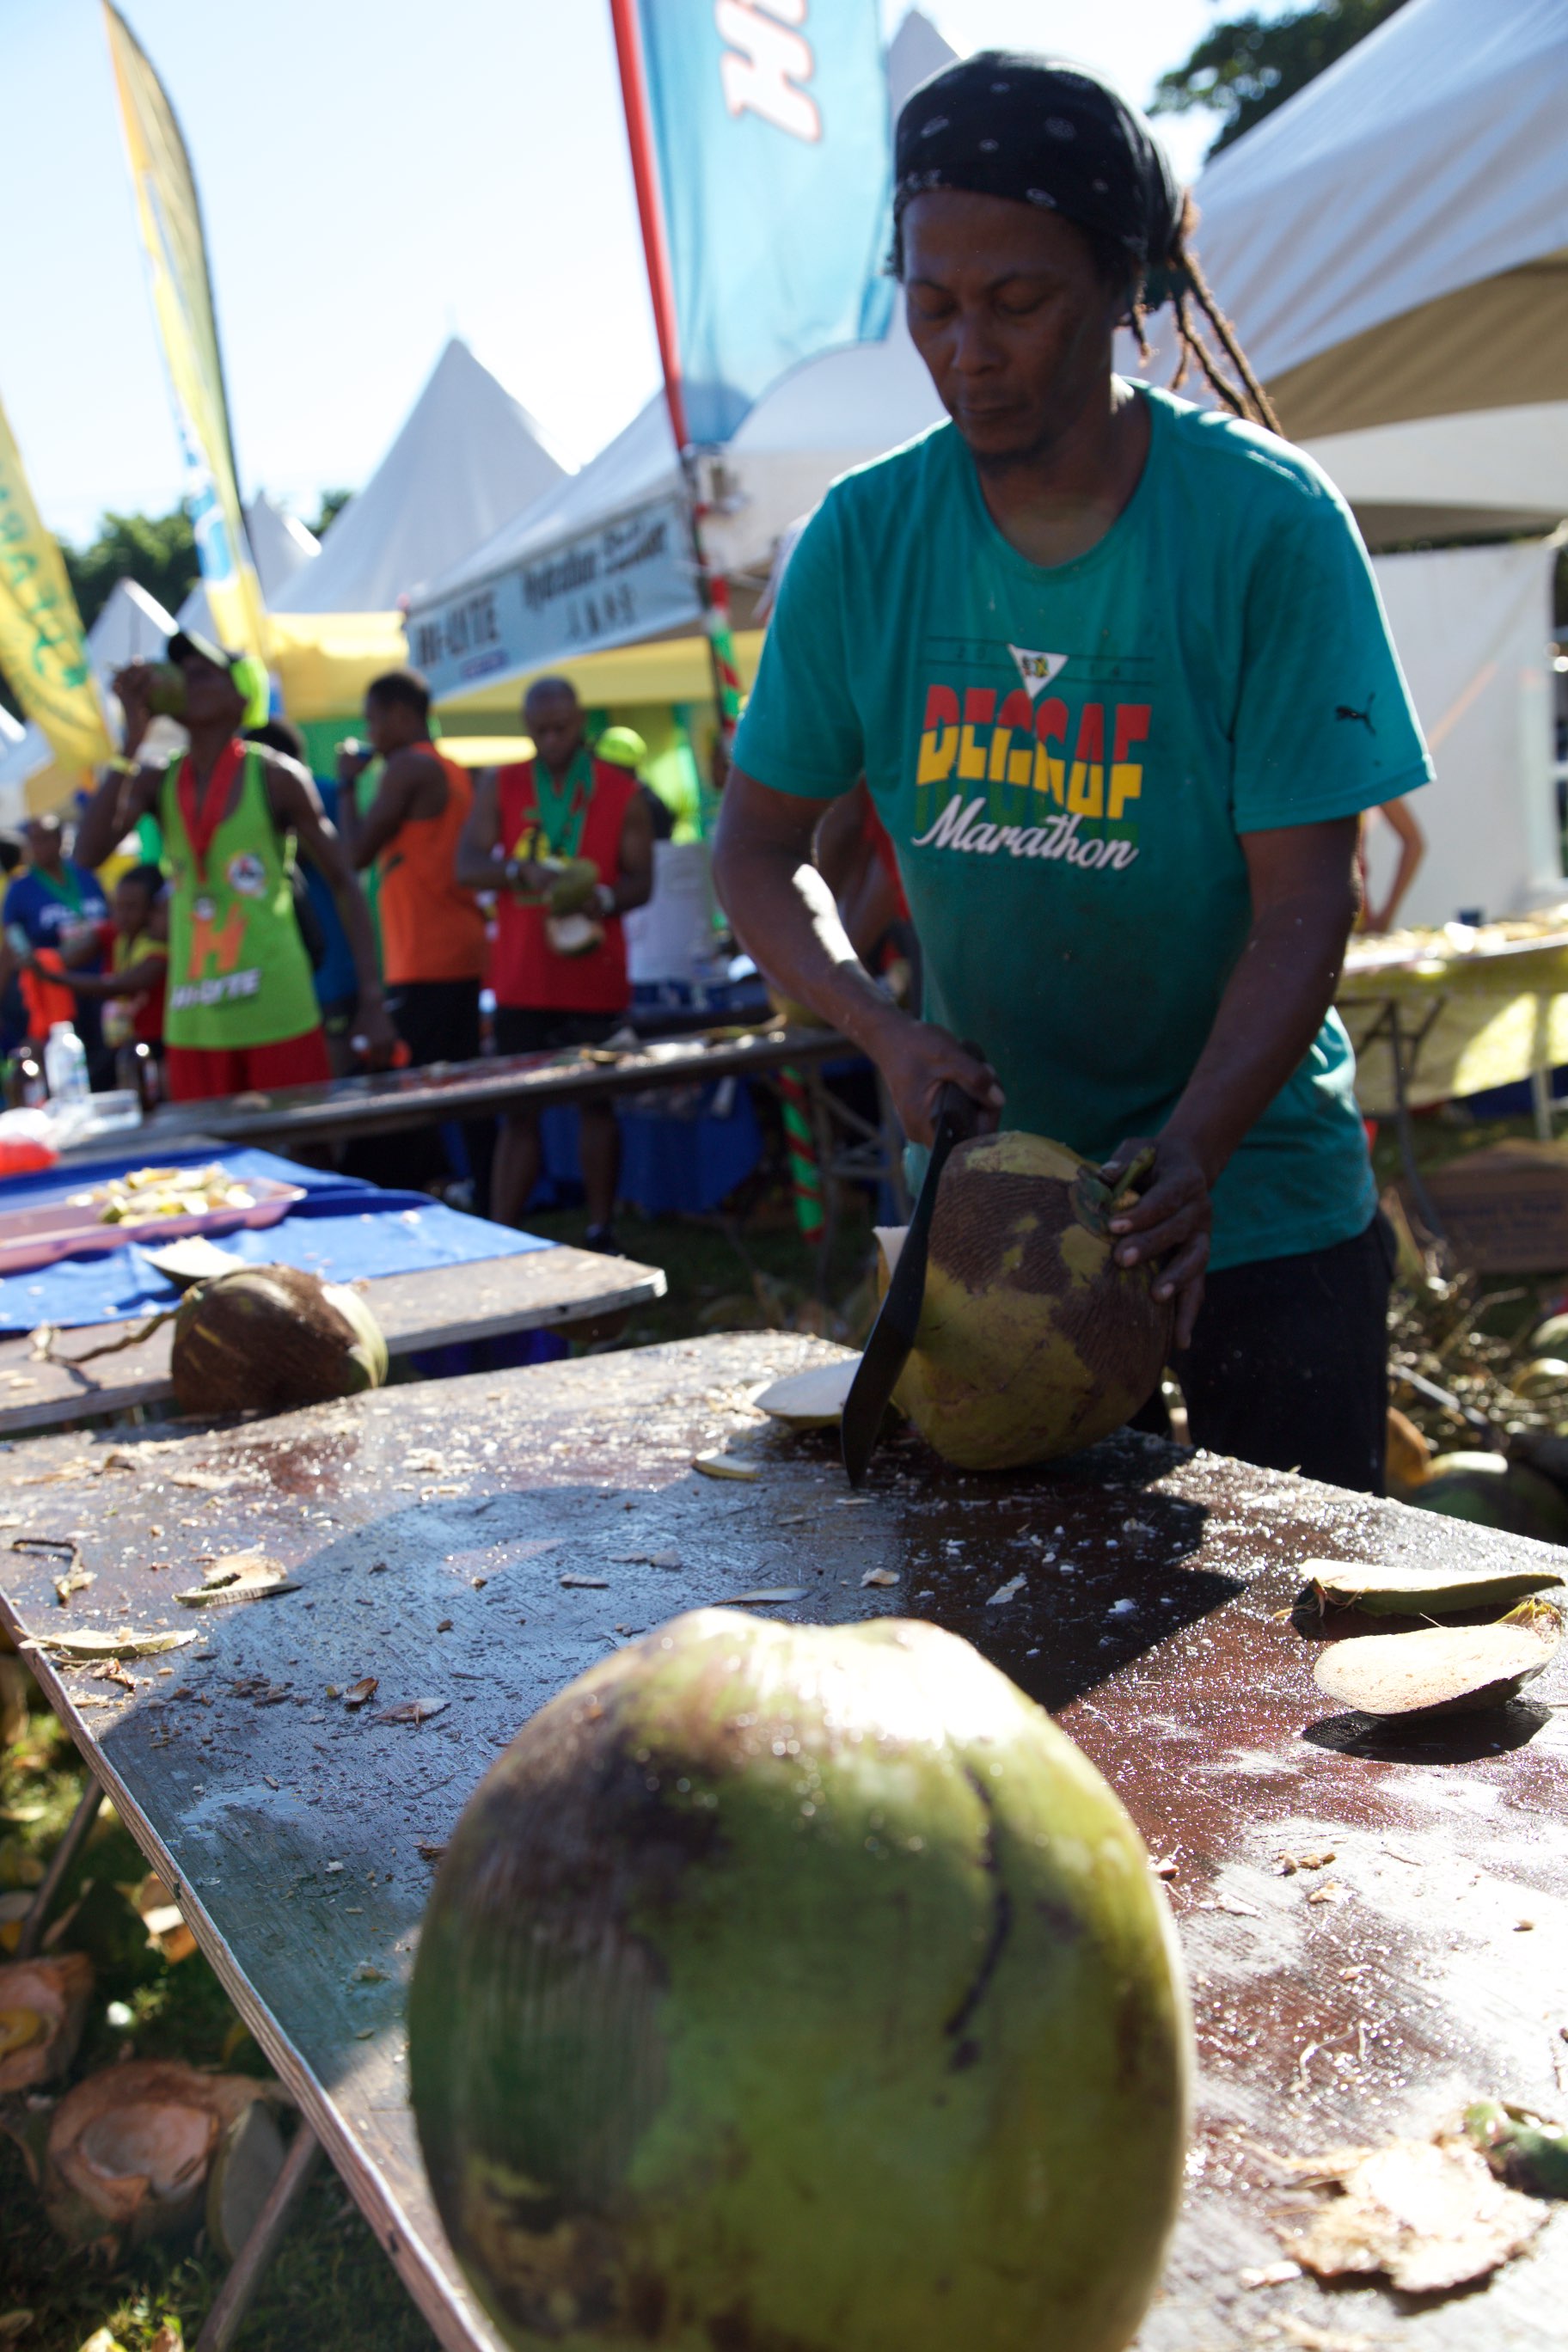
pixel 376 174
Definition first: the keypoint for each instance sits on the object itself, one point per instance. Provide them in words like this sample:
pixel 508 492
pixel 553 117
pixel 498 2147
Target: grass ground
pixel 330 2289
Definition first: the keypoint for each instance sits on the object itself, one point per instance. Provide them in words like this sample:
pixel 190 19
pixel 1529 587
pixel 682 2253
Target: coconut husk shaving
pixel 1427 2215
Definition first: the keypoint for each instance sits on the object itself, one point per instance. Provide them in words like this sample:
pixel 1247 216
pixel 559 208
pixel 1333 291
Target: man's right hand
pixel 916 1058
pixel 353 762
pixel 133 687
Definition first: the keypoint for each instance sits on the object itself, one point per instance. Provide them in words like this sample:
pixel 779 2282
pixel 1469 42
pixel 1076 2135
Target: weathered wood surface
pixel 434 1306
pixel 395 1100
pixel 431 1531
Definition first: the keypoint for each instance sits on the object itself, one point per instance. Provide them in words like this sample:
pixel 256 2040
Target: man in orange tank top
pixel 432 930
pixel 566 842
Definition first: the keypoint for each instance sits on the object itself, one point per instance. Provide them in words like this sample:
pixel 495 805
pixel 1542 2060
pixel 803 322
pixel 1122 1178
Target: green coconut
pixel 1492 1492
pixel 801 1987
pixel 265 1338
pixel 1032 1341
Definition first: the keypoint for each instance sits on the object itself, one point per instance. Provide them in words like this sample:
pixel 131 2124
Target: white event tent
pixel 467 458
pixel 1392 244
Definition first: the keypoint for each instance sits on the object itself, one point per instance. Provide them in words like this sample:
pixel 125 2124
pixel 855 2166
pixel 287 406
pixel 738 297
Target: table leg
pixel 1418 1193
pixel 60 1861
pixel 233 2297
pixel 1541 1098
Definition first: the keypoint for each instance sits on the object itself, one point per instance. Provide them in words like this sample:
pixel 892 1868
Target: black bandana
pixel 1040 132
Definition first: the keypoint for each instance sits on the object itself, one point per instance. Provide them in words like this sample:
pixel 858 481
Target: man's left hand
pixel 373 1026
pixel 1169 1222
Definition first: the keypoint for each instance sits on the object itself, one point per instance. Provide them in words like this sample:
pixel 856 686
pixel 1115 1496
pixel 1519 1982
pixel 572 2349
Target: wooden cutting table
pixel 473 1544
pixel 555 1289
pixel 397 1100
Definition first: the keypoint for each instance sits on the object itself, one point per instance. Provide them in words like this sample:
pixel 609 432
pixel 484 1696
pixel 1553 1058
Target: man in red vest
pixel 566 842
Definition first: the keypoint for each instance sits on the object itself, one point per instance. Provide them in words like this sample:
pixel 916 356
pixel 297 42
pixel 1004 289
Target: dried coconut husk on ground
pixel 1443 1670
pixel 43 2009
pixel 1409 1453
pixel 130 2150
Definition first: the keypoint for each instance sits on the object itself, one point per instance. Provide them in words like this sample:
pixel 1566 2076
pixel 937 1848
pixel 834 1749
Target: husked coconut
pixel 265 1338
pixel 1032 1341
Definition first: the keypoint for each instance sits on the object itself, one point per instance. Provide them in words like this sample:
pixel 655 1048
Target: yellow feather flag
pixel 43 652
pixel 170 216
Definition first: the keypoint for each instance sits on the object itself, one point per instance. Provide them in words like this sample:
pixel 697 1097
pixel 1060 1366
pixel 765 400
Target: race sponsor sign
pixel 625 580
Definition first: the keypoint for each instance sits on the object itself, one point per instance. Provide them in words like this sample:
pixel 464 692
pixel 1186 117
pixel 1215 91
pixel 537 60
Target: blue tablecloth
pixel 681 1158
pixel 343 1230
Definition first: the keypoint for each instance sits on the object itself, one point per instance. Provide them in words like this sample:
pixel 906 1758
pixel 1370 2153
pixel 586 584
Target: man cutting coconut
pixel 1095 650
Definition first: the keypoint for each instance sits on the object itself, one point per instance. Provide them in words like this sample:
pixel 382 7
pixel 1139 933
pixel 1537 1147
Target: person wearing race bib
pixel 566 842
pixel 241 1012
pixel 1117 674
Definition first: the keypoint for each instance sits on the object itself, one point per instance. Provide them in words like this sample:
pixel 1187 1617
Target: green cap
pixel 622 747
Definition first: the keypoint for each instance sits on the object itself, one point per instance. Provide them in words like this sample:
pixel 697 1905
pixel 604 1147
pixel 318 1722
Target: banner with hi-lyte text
pixel 42 650
pixel 770 125
pixel 169 214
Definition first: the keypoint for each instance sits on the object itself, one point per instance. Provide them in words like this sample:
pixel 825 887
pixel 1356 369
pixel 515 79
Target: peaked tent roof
pixel 280 542
pixel 133 626
pixel 467 458
pixel 639 464
pixel 1393 242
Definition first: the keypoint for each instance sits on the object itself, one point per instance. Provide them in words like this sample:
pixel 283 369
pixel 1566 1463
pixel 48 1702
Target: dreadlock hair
pixel 1179 280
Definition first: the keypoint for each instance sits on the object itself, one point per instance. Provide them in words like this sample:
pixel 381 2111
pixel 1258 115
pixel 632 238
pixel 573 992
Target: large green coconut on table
pixel 801 1990
pixel 1032 1341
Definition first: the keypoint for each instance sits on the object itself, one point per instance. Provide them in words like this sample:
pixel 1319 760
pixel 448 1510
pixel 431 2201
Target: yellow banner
pixel 169 212
pixel 42 650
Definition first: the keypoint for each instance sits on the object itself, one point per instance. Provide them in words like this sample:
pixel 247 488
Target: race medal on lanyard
pixel 202 818
pixel 562 807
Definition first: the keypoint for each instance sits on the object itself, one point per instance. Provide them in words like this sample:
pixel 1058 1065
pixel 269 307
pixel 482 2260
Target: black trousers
pixel 438 1021
pixel 1289 1364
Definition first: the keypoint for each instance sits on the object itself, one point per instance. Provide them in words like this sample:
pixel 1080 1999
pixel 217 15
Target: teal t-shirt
pixel 1066 759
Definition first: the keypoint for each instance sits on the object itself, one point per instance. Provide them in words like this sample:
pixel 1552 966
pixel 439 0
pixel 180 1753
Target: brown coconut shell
pixel 43 2009
pixel 265 1338
pixel 130 2150
pixel 1033 1341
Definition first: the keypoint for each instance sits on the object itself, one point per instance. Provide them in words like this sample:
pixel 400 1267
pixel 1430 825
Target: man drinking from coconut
pixel 1094 649
pixel 241 1008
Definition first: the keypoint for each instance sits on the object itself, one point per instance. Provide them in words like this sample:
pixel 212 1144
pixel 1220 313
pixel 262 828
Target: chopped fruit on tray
pixel 148 1192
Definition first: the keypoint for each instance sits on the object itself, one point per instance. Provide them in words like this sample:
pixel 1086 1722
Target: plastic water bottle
pixel 65 1063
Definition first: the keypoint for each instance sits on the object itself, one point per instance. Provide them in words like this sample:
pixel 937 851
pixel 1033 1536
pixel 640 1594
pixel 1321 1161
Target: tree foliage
pixel 1249 64
pixel 332 504
pixel 158 551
